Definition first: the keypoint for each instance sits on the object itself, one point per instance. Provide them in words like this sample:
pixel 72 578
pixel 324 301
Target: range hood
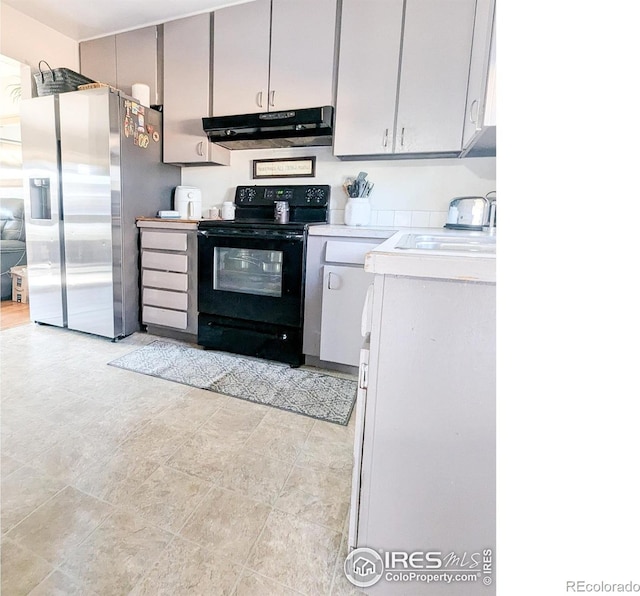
pixel 290 128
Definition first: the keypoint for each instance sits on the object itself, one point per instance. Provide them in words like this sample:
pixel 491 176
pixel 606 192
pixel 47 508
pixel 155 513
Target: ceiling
pixel 83 20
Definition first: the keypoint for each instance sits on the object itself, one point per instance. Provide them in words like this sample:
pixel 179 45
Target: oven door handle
pixel 266 234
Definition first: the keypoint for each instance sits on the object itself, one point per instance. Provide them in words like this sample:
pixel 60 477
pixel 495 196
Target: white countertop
pixel 351 231
pixel 458 261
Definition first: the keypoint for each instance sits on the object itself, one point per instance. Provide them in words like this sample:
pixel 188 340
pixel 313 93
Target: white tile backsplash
pixel 402 219
pixel 336 216
pixel 420 219
pixel 386 218
pixel 397 219
pixel 438 219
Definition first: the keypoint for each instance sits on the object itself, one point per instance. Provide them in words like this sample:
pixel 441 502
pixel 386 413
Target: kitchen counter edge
pixel 386 259
pixel 169 224
pixel 344 231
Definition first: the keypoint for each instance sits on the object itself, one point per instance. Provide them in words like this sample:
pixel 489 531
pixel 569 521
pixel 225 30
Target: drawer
pixel 165 261
pixel 175 300
pixel 160 316
pixel 165 280
pixel 348 252
pixel 164 240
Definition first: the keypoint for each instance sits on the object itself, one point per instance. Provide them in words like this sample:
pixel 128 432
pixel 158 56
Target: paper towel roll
pixel 142 93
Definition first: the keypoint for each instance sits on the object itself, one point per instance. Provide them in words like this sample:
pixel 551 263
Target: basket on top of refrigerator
pixel 58 80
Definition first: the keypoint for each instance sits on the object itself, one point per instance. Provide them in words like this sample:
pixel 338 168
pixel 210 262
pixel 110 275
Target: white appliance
pixel 188 202
pixel 361 404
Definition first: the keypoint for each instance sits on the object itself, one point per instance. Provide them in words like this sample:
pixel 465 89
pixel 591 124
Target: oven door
pixel 253 275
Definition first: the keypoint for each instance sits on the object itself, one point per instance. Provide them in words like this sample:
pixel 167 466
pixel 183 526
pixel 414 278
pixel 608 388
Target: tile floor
pixel 115 483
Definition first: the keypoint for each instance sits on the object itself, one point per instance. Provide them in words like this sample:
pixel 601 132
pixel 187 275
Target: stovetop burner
pixel 255 207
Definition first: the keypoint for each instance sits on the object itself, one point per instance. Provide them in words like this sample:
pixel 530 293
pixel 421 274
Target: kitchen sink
pixel 474 244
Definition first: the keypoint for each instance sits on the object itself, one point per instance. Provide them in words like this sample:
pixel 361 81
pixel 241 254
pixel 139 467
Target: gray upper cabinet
pixel 370 41
pixel 137 61
pixel 267 58
pixel 187 93
pixel 402 76
pixel 98 59
pixel 302 57
pixel 481 92
pixel 434 74
pixel 241 58
pixel 124 59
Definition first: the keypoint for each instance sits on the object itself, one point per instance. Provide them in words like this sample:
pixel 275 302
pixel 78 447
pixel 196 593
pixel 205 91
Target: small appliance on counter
pixel 228 212
pixel 164 214
pixel 472 213
pixel 281 212
pixel 188 202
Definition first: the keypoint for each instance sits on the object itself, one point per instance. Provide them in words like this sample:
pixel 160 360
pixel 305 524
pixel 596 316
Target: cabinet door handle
pixel 200 149
pixel 333 281
pixel 472 118
pixel 259 99
pixel 402 137
pixel 363 376
pixel 385 139
pixel 272 99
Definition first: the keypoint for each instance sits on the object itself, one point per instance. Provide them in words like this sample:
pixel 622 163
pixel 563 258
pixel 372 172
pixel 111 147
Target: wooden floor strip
pixel 13 314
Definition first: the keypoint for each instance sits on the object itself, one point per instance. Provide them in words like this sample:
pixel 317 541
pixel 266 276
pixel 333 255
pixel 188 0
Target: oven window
pixel 247 271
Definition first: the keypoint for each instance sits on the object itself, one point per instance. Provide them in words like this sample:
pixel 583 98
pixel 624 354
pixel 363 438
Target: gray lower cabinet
pixel 425 467
pixel 335 289
pixel 344 288
pixel 169 279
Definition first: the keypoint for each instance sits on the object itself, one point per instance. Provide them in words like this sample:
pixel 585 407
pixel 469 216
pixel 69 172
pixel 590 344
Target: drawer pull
pixel 334 281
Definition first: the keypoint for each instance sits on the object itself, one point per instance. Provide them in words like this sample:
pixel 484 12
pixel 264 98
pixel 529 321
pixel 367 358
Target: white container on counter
pixel 188 201
pixel 142 93
pixel 357 212
pixel 228 210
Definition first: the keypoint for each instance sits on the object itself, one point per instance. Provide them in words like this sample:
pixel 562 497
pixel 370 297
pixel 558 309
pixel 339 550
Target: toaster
pixel 471 213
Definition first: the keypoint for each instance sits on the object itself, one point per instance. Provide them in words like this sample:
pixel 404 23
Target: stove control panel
pixel 295 195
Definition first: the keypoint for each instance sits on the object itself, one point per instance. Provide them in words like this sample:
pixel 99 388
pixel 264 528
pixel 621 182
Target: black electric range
pixel 251 272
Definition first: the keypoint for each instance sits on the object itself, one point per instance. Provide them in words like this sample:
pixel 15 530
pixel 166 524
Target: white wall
pixel 407 192
pixel 28 41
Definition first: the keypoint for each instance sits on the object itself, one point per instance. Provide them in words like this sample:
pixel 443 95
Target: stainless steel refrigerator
pixel 92 163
